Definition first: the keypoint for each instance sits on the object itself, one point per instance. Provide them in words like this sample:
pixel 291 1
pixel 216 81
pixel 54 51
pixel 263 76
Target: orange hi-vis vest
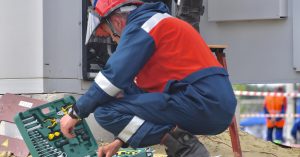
pixel 275 105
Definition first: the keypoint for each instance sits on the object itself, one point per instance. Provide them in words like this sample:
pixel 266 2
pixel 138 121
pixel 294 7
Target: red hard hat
pixel 106 7
pixel 102 10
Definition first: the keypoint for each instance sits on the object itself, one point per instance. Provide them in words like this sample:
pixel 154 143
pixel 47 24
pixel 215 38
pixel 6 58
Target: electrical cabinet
pixel 96 52
pixel 262 38
pixel 232 10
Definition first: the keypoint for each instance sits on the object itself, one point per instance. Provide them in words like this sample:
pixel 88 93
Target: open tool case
pixel 40 129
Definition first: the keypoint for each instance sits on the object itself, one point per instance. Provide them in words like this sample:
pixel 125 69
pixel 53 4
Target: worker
pixel 296 130
pixel 162 84
pixel 296 126
pixel 275 104
pixel 187 10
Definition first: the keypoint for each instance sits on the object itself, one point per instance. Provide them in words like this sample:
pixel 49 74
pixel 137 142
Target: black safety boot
pixel 181 143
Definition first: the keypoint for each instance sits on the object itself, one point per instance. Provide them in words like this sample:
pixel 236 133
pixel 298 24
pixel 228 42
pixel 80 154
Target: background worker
pixel 296 130
pixel 275 104
pixel 172 85
pixel 296 127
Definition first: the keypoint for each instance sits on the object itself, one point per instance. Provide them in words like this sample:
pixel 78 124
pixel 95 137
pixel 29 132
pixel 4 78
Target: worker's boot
pixel 181 143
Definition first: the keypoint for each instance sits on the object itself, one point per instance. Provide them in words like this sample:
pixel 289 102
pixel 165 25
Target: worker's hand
pixel 67 124
pixel 110 149
pixel 273 120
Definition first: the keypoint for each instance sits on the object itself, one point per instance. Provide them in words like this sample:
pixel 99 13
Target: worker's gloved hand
pixel 67 124
pixel 110 149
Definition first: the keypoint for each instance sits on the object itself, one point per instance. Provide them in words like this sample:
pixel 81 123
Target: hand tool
pixel 63 155
pixel 33 132
pixel 53 122
pixel 64 110
pixel 85 137
pixel 26 119
pixel 60 154
pixel 43 134
pixel 52 150
pixel 33 122
pixel 53 135
pixel 35 136
pixel 79 131
pixel 34 128
pixel 61 143
pixel 45 148
pixel 40 142
pixel 40 146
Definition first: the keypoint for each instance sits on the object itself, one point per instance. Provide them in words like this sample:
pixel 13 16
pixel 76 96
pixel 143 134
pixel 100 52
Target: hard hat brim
pixel 94 22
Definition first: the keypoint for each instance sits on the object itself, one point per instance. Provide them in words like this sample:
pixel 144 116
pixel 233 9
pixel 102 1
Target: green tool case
pixel 40 129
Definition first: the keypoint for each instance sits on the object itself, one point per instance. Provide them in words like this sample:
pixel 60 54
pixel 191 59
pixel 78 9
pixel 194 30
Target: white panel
pixel 260 51
pixel 21 86
pixel 21 39
pixel 229 10
pixel 296 35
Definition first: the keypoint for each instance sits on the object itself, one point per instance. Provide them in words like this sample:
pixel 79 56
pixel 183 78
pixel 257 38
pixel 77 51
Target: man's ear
pixel 118 22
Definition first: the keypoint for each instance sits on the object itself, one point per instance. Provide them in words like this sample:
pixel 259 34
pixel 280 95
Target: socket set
pixel 40 130
pixel 131 152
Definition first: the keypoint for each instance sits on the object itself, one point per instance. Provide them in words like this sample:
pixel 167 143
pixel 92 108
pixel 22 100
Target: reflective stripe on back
pixel 153 21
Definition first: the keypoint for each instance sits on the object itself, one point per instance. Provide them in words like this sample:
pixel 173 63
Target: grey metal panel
pixel 21 44
pixel 63 85
pixel 225 10
pixel 296 35
pixel 260 51
pixel 62 38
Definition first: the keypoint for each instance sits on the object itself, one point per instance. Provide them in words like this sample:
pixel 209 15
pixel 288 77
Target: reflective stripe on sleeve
pixel 106 85
pixel 153 21
pixel 131 128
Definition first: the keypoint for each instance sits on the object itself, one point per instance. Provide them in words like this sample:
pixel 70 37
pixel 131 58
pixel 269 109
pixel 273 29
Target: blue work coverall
pixel 168 77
